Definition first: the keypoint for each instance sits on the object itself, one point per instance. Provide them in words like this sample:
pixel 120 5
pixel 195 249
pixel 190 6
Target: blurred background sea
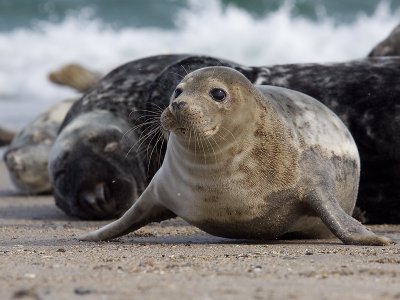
pixel 38 36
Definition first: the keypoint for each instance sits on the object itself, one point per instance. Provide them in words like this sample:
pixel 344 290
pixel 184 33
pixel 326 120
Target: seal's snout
pixel 12 161
pixel 104 199
pixel 97 200
pixel 178 106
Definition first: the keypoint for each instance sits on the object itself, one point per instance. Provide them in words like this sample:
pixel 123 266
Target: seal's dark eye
pixel 177 93
pixel 218 94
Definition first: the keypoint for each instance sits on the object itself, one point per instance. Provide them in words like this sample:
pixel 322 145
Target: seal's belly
pixel 240 215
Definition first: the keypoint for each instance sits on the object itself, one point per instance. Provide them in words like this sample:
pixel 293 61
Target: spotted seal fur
pixel 253 162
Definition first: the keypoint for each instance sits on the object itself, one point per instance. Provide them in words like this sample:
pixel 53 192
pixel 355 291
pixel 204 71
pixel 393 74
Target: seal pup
pixel 253 162
pixel 26 156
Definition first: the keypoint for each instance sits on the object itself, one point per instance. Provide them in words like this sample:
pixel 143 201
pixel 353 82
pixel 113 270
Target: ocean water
pixel 38 36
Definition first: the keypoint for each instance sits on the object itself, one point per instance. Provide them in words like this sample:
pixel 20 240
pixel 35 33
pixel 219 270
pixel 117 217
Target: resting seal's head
pixel 210 103
pixel 27 155
pixel 27 166
pixel 92 175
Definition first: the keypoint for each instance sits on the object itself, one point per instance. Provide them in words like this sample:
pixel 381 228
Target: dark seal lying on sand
pixel 253 162
pixel 106 155
pixel 97 166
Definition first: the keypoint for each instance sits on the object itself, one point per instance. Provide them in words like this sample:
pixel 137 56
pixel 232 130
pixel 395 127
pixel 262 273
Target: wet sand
pixel 40 259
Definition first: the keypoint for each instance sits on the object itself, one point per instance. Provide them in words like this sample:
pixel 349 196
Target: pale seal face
pixel 208 107
pixel 277 174
pixel 26 157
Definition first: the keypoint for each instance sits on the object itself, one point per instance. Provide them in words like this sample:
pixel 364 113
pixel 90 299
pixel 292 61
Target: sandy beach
pixel 41 259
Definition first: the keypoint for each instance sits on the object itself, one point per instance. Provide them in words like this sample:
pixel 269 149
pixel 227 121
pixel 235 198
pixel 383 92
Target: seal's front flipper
pixel 346 228
pixel 143 212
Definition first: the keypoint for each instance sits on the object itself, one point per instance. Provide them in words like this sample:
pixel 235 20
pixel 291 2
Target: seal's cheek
pixel 167 120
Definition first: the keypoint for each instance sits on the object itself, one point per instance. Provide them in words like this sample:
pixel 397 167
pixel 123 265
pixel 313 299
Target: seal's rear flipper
pixel 75 76
pixel 143 212
pixel 6 136
pixel 346 228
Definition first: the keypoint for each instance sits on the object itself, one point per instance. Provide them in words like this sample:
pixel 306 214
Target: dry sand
pixel 40 259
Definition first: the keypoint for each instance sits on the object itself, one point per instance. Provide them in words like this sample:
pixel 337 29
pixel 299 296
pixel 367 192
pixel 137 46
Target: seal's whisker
pixel 151 121
pixel 152 112
pixel 147 118
pixel 149 143
pixel 184 69
pixel 221 136
pixel 195 145
pixel 218 75
pixel 220 62
pixel 143 138
pixel 129 131
pixel 222 127
pixel 151 131
pixel 159 108
pixel 161 148
pixel 159 136
pixel 204 152
pixel 153 115
pixel 177 74
pixel 190 135
pixel 216 143
pixel 142 111
pixel 190 69
pixel 212 148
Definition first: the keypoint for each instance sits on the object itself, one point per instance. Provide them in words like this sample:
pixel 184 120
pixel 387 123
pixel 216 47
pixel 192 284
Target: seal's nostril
pixel 176 106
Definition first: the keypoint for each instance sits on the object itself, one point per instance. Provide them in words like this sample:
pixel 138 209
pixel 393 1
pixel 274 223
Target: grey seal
pixel 252 162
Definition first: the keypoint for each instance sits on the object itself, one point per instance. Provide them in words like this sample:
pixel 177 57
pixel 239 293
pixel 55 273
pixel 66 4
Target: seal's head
pixel 210 103
pixel 27 166
pixel 92 175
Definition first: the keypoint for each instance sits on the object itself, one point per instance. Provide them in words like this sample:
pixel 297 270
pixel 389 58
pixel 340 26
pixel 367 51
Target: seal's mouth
pixel 181 130
pixel 211 131
pixel 206 132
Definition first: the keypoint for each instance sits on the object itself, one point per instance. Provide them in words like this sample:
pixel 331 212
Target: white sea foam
pixel 28 54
